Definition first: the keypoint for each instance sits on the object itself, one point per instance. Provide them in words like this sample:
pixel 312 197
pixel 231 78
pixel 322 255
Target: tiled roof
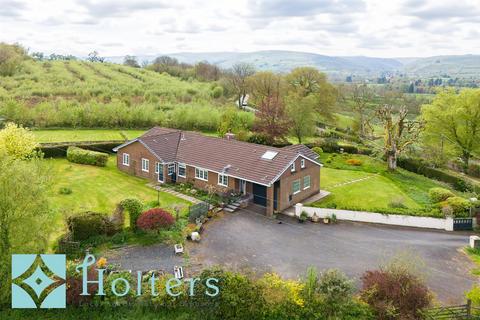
pixel 302 149
pixel 236 158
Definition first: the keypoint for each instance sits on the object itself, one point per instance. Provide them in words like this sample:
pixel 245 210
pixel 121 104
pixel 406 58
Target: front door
pixel 161 177
pixel 243 187
pixel 260 195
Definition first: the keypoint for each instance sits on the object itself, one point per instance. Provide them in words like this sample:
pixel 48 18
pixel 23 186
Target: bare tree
pixel 399 132
pixel 237 78
pixel 361 96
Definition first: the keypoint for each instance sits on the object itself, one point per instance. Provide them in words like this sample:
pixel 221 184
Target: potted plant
pixel 334 218
pixel 303 217
pixel 315 218
pixel 326 220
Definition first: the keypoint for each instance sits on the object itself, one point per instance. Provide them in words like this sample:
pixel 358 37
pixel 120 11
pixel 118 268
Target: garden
pixel 360 182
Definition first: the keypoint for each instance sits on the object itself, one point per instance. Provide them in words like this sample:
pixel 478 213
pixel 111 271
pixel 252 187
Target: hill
pixel 462 66
pixel 105 95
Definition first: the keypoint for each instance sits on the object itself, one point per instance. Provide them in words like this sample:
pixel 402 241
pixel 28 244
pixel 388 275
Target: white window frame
pixel 302 163
pixel 126 156
pixel 157 167
pixel 145 163
pixel 221 178
pixel 201 174
pixel 171 169
pixel 182 166
pixel 292 169
pixel 309 182
pixel 299 186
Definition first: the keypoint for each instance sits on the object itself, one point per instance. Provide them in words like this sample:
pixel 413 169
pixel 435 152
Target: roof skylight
pixel 269 155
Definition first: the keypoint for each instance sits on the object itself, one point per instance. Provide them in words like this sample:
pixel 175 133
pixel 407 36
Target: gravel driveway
pixel 249 240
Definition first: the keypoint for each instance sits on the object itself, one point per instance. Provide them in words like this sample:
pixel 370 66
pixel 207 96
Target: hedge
pixel 59 150
pixel 82 156
pixel 422 167
pixel 88 224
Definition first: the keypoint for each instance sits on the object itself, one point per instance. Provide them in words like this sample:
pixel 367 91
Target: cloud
pixel 435 10
pixel 11 8
pixel 302 8
pixel 120 8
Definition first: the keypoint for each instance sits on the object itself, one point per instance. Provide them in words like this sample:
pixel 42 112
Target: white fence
pixel 371 217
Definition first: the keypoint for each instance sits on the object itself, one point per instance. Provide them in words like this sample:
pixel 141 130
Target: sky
pixel 379 28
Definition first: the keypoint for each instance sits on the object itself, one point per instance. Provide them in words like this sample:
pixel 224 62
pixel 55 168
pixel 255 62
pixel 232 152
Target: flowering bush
pixel 155 219
pixel 354 162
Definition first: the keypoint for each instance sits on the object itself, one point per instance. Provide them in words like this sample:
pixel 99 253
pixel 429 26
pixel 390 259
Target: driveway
pixel 249 240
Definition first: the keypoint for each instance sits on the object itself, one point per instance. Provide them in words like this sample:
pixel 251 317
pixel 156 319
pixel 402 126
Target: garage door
pixel 260 195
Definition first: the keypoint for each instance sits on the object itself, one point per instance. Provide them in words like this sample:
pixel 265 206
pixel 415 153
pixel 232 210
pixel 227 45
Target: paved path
pixel 247 240
pixel 351 181
pixel 177 194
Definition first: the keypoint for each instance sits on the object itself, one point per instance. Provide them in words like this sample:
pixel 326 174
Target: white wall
pixel 371 217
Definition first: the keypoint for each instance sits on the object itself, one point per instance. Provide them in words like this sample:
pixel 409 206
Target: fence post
pixel 469 308
pixel 449 223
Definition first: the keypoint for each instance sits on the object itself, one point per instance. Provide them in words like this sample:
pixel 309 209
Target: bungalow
pixel 273 178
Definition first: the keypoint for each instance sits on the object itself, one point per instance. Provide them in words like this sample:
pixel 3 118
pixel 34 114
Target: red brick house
pixel 274 178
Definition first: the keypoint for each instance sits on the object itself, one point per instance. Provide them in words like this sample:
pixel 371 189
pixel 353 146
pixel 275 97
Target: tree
pixel 454 119
pixel 205 71
pixel 301 111
pixel 272 119
pixel 399 132
pixel 237 78
pixel 361 96
pixel 11 58
pixel 24 212
pixel 131 61
pixel 264 84
pixel 17 142
pixel 308 81
pixel 95 57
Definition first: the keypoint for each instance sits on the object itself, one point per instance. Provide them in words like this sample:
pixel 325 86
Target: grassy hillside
pixel 78 94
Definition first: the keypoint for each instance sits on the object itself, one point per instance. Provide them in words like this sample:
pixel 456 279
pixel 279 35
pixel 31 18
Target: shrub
pixel 258 139
pixel 217 92
pixel 155 219
pixel 82 156
pixel 474 170
pixel 65 190
pixel 395 294
pixel 317 150
pixel 439 194
pixel 134 208
pixel 354 162
pixel 458 205
pixel 87 224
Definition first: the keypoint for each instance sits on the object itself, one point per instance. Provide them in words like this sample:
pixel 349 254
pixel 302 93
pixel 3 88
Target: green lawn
pixel 100 189
pixel 45 136
pixel 381 191
pixel 375 192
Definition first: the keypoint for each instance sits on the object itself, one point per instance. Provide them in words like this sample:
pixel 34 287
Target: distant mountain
pixel 464 66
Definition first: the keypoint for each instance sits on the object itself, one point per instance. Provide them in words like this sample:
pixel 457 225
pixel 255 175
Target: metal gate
pixel 462 224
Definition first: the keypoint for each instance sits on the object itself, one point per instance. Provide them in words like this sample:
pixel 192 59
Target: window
pixel 171 169
pixel 306 182
pixel 293 167
pixel 159 170
pixel 223 180
pixel 182 170
pixel 145 164
pixel 126 159
pixel 201 174
pixel 302 163
pixel 296 186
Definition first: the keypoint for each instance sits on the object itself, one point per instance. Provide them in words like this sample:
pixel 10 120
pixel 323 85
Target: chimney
pixel 230 136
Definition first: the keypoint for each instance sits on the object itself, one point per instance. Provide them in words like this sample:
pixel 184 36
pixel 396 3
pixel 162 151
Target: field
pixel 99 189
pixel 371 187
pixel 79 94
pixel 47 136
